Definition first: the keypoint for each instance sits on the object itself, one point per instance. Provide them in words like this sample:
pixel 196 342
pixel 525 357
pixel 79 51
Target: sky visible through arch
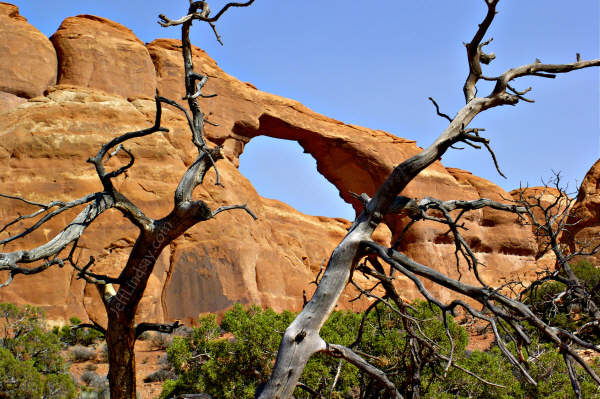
pixel 374 64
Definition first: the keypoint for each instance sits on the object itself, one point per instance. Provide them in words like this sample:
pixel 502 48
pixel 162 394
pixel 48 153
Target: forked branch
pixel 475 55
pixel 352 357
pixel 202 15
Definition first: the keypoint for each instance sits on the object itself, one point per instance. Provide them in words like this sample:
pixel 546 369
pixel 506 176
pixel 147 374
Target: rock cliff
pixel 94 79
pixel 585 217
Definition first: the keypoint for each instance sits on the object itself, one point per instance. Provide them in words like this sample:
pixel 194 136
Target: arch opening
pixel 281 170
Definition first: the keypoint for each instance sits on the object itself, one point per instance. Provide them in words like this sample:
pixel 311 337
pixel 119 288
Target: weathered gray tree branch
pixel 10 260
pixel 231 207
pixel 93 325
pixel 352 357
pixel 475 55
pixel 201 15
pixel 44 207
pixel 506 309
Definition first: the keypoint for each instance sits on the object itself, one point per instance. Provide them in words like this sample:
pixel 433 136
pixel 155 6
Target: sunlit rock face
pixel 543 202
pixel 46 140
pixel 28 63
pixel 101 54
pixel 585 221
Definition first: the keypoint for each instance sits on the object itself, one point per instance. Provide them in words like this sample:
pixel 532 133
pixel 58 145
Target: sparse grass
pixel 103 356
pixel 97 383
pixel 160 376
pixel 92 379
pixel 163 360
pixel 145 336
pixel 160 341
pixel 79 353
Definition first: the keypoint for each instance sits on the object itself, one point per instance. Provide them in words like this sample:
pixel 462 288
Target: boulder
pixel 585 216
pixel 28 63
pixel 101 54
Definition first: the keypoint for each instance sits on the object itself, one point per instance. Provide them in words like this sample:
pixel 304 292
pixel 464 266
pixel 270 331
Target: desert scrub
pixel 31 365
pixel 71 334
pixel 79 353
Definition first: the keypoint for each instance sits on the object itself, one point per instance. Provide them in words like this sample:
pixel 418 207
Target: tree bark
pixel 120 340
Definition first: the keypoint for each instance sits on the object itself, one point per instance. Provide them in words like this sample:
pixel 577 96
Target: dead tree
pixel 121 294
pixel 551 221
pixel 301 339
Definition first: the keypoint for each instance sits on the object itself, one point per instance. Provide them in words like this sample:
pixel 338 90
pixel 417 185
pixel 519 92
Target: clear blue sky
pixel 375 66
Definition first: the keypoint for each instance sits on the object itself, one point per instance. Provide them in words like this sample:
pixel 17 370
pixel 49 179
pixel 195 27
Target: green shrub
pixel 548 368
pixel 229 366
pixel 230 360
pixel 545 365
pixel 566 312
pixel 70 335
pixel 19 379
pixel 30 362
pixel 59 386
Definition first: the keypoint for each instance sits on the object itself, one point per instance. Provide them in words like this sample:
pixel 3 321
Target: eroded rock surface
pixel 217 263
pixel 231 258
pixel 27 58
pixel 585 218
pixel 102 54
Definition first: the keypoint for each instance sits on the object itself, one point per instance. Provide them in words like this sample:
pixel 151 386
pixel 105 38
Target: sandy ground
pixel 147 362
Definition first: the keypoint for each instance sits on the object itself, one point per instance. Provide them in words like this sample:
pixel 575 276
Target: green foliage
pixel 563 311
pixel 549 369
pixel 319 374
pixel 227 361
pixel 59 386
pixel 231 359
pixel 389 341
pixel 30 362
pixel 19 379
pixel 546 366
pixel 70 335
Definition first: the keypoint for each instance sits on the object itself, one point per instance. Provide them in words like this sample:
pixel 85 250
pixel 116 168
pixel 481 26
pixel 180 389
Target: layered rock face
pixel 46 140
pixel 28 62
pixel 120 65
pixel 585 217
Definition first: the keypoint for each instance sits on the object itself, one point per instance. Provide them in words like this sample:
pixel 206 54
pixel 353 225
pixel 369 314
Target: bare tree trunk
pixel 120 340
pixel 121 310
pixel 417 365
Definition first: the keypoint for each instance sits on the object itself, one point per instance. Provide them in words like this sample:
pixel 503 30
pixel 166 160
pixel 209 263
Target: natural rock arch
pixel 280 170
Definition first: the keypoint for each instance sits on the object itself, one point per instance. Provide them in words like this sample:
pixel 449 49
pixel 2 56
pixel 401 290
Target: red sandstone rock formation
pixel 46 141
pixel 27 61
pixel 586 211
pixel 95 52
pixel 550 199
